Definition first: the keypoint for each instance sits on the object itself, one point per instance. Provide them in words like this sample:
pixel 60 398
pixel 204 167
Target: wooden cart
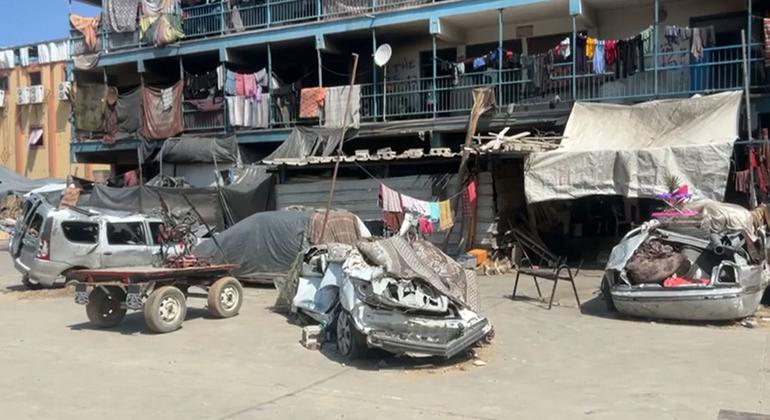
pixel 161 293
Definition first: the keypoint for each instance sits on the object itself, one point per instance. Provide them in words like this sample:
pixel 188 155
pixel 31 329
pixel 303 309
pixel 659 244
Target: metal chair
pixel 556 268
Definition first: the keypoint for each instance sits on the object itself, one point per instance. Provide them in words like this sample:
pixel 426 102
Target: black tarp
pixel 262 244
pixel 200 150
pixel 251 192
pixel 305 141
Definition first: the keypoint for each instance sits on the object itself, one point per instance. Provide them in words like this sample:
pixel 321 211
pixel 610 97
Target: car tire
pixel 351 343
pixel 30 284
pixel 225 297
pixel 165 309
pixel 607 295
pixel 105 309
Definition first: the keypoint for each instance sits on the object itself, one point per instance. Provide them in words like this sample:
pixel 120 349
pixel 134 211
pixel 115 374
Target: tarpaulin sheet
pixel 189 149
pixel 12 182
pixel 89 106
pixel 144 199
pixel 130 113
pixel 251 192
pixel 303 142
pixel 163 111
pixel 632 150
pixel 261 244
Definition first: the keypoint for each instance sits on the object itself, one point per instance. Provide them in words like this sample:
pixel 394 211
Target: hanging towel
pixel 87 26
pixel 230 83
pixel 334 106
pixel 240 86
pixel 392 220
pixel 445 215
pixel 310 102
pixel 697 44
pixel 435 214
pixel 390 199
pixel 249 85
pixel 590 47
pixel 236 22
pixel 599 58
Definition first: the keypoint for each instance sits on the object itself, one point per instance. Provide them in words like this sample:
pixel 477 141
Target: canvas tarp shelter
pixel 10 181
pixel 631 150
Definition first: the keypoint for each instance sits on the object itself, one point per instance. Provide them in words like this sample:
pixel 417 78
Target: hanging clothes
pixel 130 179
pixel 426 227
pixel 766 25
pixel 230 83
pixel 161 22
pixel 415 205
pixel 581 62
pixel 610 52
pixel 88 107
pixel 392 220
pixel 697 44
pixel 599 60
pixel 590 47
pixel 435 214
pixel 390 199
pixel 311 101
pixel 88 27
pixel 479 63
pixel 445 215
pixel 743 180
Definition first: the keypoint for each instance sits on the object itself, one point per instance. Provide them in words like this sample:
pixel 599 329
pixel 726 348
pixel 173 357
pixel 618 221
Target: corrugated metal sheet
pixel 360 197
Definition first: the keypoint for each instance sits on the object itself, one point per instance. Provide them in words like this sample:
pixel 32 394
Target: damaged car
pixel 709 267
pixel 407 298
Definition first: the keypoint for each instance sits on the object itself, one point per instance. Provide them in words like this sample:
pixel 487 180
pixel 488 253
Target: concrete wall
pixel 52 158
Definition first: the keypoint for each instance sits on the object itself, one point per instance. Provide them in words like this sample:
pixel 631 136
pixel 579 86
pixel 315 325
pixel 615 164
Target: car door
pixel 125 244
pixel 29 210
pixel 76 242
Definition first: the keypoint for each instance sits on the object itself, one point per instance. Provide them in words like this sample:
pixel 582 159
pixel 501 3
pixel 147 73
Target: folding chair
pixel 556 268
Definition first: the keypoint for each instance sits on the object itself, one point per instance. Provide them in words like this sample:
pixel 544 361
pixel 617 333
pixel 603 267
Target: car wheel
pixel 165 309
pixel 351 343
pixel 30 284
pixel 225 297
pixel 104 309
pixel 607 295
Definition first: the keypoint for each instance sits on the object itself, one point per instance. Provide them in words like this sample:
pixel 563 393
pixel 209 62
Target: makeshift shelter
pixel 632 150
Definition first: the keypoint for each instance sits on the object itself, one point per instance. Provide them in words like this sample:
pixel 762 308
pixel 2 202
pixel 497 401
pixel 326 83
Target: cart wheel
pixel 165 309
pixel 104 308
pixel 225 297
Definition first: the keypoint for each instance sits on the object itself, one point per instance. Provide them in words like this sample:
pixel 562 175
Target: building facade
pixel 35 129
pixel 441 51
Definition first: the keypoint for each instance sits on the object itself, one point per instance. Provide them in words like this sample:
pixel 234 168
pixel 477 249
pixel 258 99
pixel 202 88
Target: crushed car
pixel 708 266
pixel 407 298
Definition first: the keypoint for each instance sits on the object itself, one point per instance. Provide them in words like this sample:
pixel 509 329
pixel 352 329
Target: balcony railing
pixel 217 18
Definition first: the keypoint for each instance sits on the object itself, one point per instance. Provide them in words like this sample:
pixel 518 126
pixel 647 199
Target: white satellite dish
pixel 382 55
pixel 381 58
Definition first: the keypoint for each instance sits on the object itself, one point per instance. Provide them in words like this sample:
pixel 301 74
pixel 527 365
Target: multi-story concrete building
pixel 307 43
pixel 35 129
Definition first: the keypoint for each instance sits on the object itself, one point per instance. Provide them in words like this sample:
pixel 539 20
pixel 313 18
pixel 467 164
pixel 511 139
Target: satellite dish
pixel 382 55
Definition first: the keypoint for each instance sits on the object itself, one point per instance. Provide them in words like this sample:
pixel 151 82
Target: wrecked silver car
pixel 403 297
pixel 682 270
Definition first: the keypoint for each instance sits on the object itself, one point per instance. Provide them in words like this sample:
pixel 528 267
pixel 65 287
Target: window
pixel 35 137
pixel 4 83
pixel 35 79
pixel 125 234
pixel 155 231
pixel 81 232
pixel 35 225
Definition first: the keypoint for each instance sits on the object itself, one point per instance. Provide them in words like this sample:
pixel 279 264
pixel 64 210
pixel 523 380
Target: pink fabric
pixel 390 199
pixel 240 84
pixel 675 281
pixel 249 85
pixel 130 179
pixel 472 192
pixel 426 226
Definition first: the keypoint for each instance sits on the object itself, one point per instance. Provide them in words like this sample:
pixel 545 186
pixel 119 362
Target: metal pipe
pixel 435 72
pixel 750 17
pixel 499 55
pixel 270 86
pixel 374 76
pixel 574 59
pixel 320 68
pixel 655 40
pixel 752 191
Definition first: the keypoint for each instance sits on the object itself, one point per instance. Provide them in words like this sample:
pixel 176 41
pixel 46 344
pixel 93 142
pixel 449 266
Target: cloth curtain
pixel 336 101
pixel 120 15
pixel 89 107
pixel 161 122
pixel 88 27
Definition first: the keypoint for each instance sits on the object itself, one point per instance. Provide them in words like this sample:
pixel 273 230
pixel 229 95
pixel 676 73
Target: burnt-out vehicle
pixel 688 270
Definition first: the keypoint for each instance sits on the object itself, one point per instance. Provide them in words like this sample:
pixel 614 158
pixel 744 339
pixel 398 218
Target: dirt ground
pixel 557 364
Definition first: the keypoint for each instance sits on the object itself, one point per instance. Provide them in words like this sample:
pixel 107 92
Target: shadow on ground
pixel 133 323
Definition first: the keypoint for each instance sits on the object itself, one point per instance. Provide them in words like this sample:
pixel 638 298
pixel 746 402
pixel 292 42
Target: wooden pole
pixel 747 97
pixel 339 148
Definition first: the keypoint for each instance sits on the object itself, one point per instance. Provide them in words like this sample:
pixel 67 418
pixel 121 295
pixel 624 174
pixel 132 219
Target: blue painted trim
pixel 96 146
pixel 575 7
pixel 312 29
pixel 266 136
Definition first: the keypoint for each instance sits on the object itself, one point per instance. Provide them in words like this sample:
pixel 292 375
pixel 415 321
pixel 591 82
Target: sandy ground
pixel 543 364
